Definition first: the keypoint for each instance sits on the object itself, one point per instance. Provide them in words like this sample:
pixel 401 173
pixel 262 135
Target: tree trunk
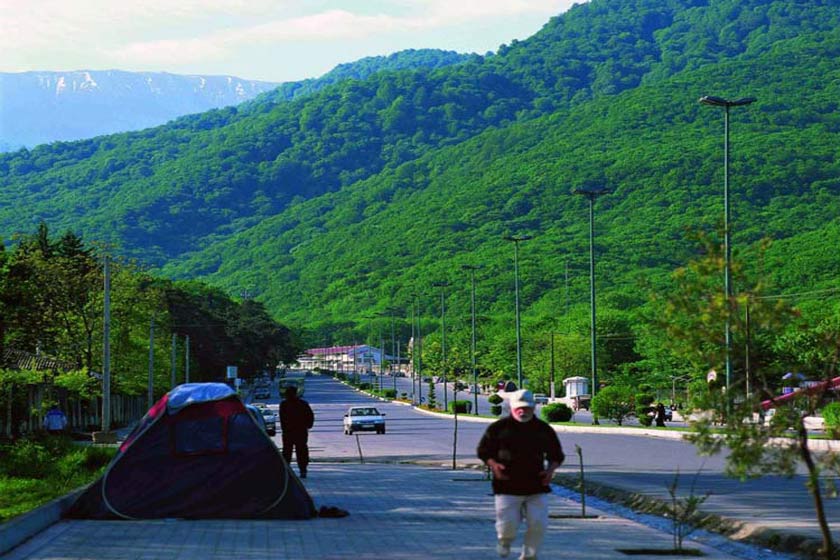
pixel 814 488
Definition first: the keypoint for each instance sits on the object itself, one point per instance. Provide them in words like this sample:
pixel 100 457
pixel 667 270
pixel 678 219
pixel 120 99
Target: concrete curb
pixel 19 529
pixel 788 542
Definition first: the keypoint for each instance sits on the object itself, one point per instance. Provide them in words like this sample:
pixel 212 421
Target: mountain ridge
pixel 614 84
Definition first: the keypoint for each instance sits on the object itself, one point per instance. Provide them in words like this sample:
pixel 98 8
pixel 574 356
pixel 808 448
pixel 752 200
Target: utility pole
pixel 151 394
pixel 172 363
pixel 551 382
pixel 187 360
pixel 106 353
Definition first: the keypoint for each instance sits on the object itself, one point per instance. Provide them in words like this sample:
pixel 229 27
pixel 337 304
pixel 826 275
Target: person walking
pixel 55 421
pixel 660 415
pixel 523 452
pixel 296 419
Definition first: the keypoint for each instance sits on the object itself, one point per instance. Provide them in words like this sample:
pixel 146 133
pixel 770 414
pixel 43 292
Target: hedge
pixel 556 412
pixel 464 407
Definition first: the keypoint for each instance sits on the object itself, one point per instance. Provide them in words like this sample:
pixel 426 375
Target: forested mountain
pixel 333 206
pixel 364 68
pixel 42 107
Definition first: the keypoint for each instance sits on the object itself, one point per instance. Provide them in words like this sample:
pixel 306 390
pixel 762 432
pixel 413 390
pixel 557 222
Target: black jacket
pixel 296 416
pixel 524 448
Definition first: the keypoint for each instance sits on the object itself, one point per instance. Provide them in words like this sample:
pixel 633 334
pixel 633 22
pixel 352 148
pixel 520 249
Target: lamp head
pixel 591 192
pixel 721 102
pixel 523 237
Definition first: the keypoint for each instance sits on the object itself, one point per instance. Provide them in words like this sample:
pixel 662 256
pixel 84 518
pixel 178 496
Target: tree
pixel 615 402
pixel 693 314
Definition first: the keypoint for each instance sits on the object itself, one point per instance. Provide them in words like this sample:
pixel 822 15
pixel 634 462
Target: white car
pixel 364 419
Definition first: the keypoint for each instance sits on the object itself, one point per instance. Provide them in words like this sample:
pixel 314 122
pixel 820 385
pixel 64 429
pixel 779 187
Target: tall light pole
pixel 106 349
pixel 727 247
pixel 443 286
pixel 592 194
pixel 516 240
pixel 418 349
pixel 472 268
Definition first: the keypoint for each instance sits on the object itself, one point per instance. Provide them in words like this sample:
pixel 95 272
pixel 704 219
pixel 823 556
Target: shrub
pixel 463 407
pixel 495 409
pixel 831 416
pixel 644 405
pixel 495 399
pixel 389 393
pixel 364 386
pixel 556 412
pixel 614 402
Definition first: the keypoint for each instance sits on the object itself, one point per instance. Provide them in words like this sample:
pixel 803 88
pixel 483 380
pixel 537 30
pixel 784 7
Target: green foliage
pixel 556 412
pixel 831 416
pixel 643 408
pixel 52 306
pixel 495 399
pixel 389 393
pixel 460 406
pixel 264 199
pixel 614 402
pixel 683 510
pixel 431 397
pixel 36 470
pixel 496 409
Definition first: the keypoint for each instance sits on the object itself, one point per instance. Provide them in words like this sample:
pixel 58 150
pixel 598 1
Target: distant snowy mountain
pixel 42 107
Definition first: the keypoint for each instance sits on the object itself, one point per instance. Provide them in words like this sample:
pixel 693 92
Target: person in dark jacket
pixel 660 415
pixel 296 419
pixel 523 452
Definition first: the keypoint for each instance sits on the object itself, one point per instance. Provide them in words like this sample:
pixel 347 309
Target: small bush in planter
pixel 495 399
pixel 556 412
pixel 495 409
pixel 389 393
pixel 464 407
pixel 364 386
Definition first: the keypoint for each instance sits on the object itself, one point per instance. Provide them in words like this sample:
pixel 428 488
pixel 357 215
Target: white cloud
pixel 172 35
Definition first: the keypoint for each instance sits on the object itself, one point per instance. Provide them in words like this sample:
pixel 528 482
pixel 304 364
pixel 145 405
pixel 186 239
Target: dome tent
pixel 197 454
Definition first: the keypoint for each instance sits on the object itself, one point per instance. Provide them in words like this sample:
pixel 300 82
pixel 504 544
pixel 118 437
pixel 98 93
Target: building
pixel 360 357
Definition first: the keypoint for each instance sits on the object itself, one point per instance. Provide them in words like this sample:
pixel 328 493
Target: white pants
pixel 509 513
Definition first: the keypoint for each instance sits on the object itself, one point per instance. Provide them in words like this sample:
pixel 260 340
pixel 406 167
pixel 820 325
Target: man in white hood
pixel 523 452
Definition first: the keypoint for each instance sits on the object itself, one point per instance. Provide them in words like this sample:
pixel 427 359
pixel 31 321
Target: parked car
pixel 262 393
pixel 540 398
pixel 257 415
pixel 364 419
pixel 270 418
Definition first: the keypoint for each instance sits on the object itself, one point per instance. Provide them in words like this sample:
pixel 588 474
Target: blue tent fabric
pixel 206 460
pixel 194 393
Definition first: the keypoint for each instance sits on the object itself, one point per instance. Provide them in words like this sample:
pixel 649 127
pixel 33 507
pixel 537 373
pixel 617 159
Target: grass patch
pixel 37 470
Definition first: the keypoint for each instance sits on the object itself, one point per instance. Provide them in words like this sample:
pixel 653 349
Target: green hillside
pixel 162 192
pixel 335 205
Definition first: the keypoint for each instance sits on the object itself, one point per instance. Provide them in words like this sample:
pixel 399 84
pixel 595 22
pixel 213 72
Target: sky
pixel 271 40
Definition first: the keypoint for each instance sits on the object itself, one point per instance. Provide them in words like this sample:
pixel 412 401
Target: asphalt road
pixel 641 464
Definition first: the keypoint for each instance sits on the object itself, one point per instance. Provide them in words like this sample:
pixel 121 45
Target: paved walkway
pixel 396 512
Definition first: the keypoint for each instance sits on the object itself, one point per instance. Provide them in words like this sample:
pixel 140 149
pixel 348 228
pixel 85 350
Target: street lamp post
pixel 516 240
pixel 727 247
pixel 443 286
pixel 592 194
pixel 419 356
pixel 472 268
